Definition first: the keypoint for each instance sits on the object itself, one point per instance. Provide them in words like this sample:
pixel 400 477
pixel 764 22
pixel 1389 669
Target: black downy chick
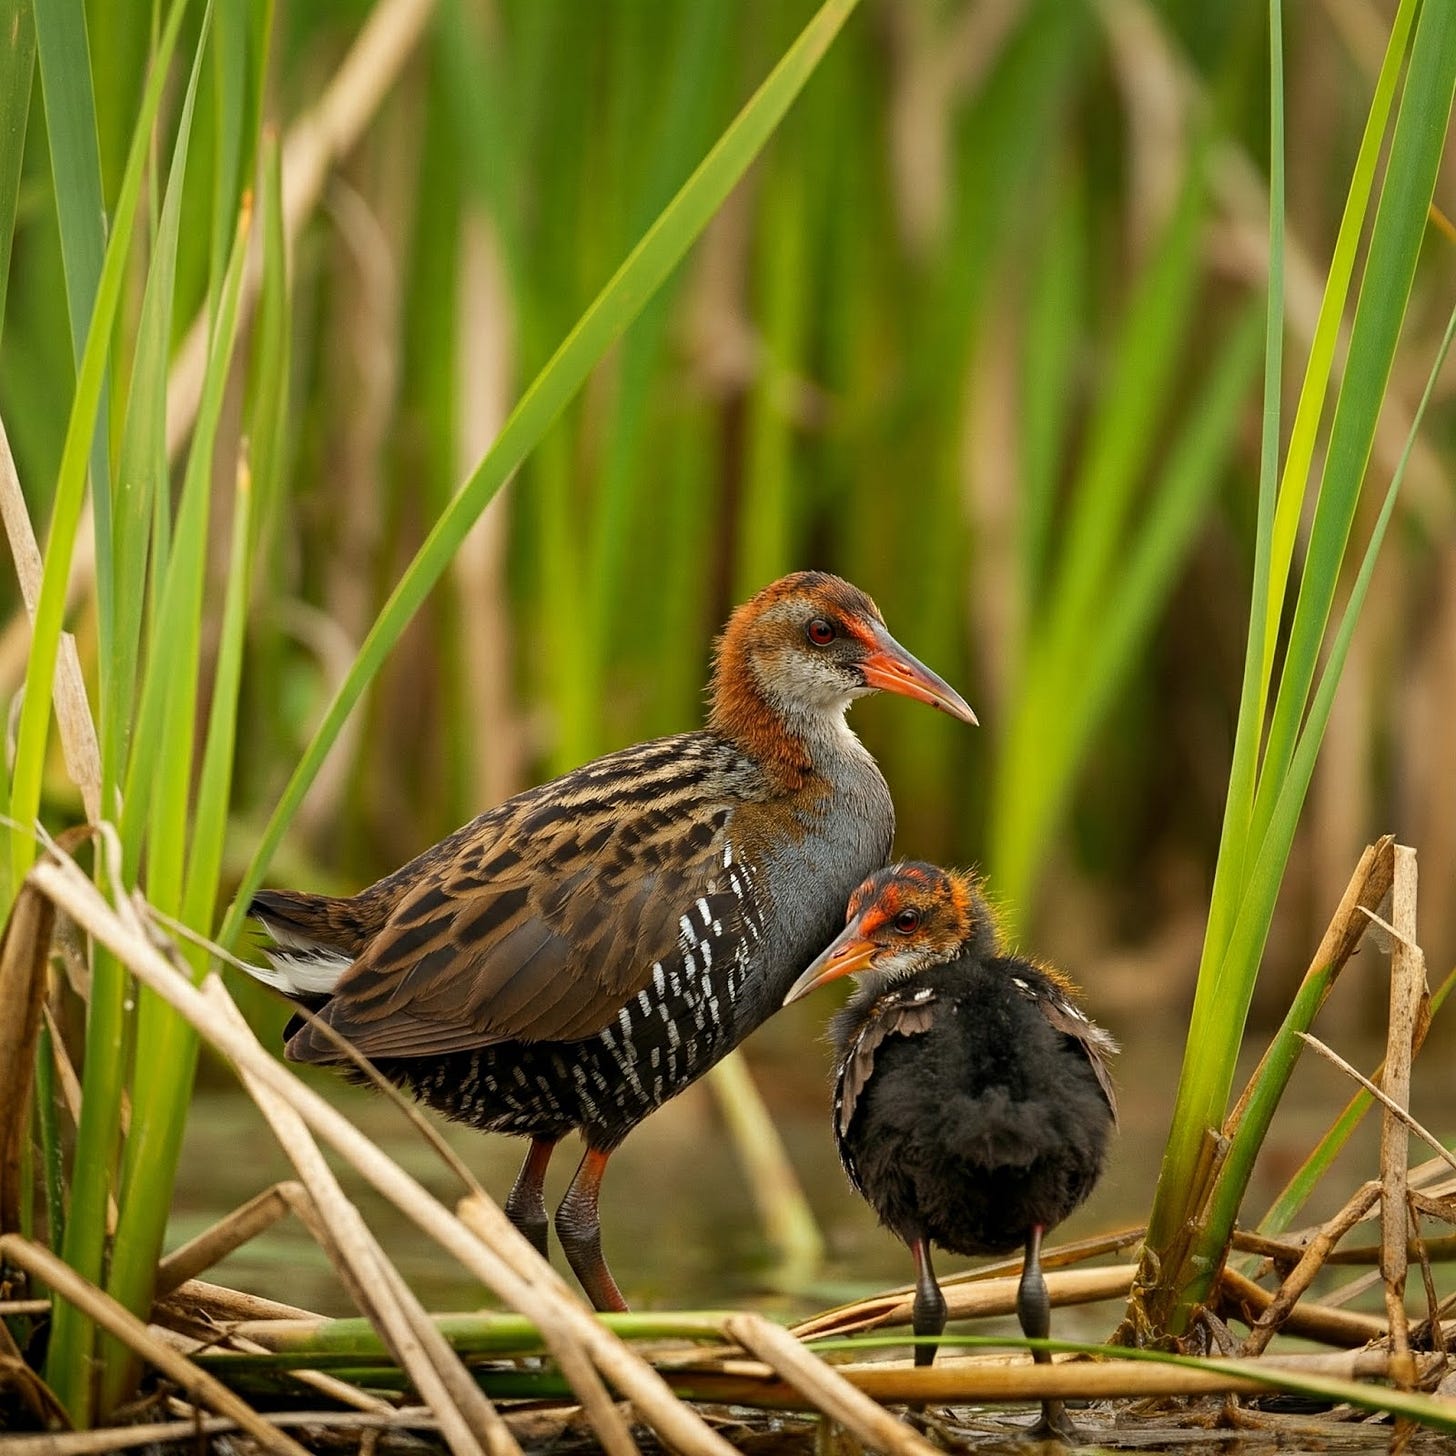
pixel 972 1101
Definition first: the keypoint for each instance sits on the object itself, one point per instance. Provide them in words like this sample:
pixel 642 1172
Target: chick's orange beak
pixel 893 670
pixel 849 952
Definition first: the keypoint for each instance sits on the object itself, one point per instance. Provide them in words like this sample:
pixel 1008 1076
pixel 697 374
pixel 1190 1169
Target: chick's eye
pixel 821 632
pixel 907 921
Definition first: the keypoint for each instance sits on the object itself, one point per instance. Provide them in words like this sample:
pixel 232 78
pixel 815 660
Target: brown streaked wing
pixel 542 923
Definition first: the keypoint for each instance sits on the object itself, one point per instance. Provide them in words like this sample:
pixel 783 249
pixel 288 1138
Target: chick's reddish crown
pixel 947 902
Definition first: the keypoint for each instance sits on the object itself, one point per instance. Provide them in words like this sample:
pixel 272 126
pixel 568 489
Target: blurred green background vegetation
pixel 981 331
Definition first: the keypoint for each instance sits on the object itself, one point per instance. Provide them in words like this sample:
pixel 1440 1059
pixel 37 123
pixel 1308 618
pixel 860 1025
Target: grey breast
pixel 810 880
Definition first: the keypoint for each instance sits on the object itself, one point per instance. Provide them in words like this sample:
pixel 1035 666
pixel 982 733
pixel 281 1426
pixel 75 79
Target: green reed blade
pixel 70 111
pixel 1400 225
pixel 166 1047
pixel 1248 1138
pixel 771 492
pixel 230 134
pixel 1263 827
pixel 142 468
pixel 68 1357
pixel 17 67
pixel 1215 1227
pixel 1313 390
pixel 271 363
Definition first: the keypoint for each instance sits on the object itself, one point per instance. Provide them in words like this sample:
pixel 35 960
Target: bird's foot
pixel 1054 1424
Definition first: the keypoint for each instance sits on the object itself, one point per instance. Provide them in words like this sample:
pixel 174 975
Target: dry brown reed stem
pixel 1289 1251
pixel 484 1218
pixel 73 710
pixel 974 1381
pixel 1240 1298
pixel 217 1302
pixel 1437 1250
pixel 485 344
pixel 110 1316
pixel 1428 1282
pixel 214 1244
pixel 1302 1275
pixel 407 1106
pixel 974 1300
pixel 1407 983
pixel 188 1432
pixel 69 1082
pixel 468 1420
pixel 119 930
pixel 1390 1105
pixel 824 1388
pixel 24 953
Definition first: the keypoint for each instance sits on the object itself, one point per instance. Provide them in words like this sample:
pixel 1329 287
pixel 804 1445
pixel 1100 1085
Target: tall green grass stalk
pixel 70 107
pixel 1237 1164
pixel 1185 1248
pixel 181 883
pixel 17 67
pixel 68 1363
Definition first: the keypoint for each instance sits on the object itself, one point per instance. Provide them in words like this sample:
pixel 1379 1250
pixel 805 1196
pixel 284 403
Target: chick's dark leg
pixel 526 1203
pixel 927 1315
pixel 579 1227
pixel 1034 1311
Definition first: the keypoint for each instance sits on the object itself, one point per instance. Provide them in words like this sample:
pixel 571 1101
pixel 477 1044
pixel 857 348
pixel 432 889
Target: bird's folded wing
pixel 907 1016
pixel 1094 1041
pixel 539 926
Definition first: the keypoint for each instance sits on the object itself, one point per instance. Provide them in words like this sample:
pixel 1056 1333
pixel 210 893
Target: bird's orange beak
pixel 893 670
pixel 849 952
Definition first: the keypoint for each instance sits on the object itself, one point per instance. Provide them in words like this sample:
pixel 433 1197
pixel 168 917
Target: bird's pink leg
pixel 579 1227
pixel 526 1205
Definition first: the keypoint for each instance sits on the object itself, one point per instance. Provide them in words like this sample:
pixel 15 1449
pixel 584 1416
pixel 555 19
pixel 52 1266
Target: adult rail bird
pixel 578 955
pixel 972 1101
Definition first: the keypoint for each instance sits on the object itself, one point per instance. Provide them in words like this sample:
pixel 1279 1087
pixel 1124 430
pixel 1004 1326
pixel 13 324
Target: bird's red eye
pixel 907 921
pixel 821 632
